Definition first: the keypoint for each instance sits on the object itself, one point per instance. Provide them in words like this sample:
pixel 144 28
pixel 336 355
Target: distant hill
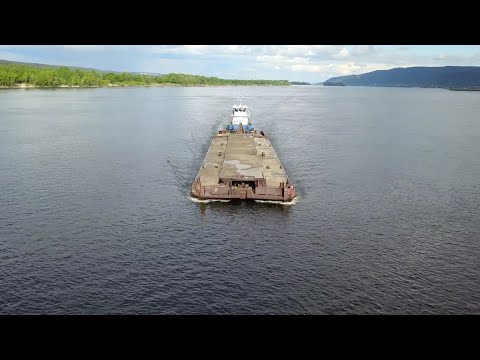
pixel 333 83
pixel 450 77
pixel 8 62
pixel 299 83
pixel 143 73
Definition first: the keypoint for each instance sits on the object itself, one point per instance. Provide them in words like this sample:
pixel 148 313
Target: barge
pixel 242 164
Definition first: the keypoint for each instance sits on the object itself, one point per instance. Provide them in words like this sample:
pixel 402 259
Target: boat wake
pixel 286 203
pixel 295 201
pixel 207 200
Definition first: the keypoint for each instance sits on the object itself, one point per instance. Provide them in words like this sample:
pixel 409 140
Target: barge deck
pixel 242 165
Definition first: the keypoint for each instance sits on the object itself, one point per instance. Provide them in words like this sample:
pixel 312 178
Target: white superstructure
pixel 240 115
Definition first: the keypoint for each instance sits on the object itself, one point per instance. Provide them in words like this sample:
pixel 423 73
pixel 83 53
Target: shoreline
pixel 459 89
pixel 30 86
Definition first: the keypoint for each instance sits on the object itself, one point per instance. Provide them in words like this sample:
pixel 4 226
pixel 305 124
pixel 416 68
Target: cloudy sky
pixel 313 63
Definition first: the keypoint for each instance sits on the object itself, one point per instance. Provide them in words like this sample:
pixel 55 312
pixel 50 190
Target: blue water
pixel 96 218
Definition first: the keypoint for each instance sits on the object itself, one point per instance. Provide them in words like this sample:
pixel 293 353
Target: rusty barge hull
pixel 242 166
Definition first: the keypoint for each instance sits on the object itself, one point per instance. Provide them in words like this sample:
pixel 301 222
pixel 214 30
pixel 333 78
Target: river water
pixel 96 217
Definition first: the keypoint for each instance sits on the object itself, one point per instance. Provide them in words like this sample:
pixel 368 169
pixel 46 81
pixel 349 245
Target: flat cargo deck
pixel 242 166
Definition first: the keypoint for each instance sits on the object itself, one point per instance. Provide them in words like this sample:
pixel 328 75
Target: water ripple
pixel 96 216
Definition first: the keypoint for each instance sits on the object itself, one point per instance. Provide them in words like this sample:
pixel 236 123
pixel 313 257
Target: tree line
pixel 15 74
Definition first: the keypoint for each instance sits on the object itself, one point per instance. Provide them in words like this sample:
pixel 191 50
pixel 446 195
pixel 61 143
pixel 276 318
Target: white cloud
pixel 355 68
pixel 363 49
pixel 84 47
pixel 201 49
pixel 344 53
pixel 285 61
pixel 440 57
pixel 301 50
pixel 281 60
pixel 250 50
pixel 196 49
pixel 12 56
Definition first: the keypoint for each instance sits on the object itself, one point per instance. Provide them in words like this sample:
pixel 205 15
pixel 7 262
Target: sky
pixel 311 63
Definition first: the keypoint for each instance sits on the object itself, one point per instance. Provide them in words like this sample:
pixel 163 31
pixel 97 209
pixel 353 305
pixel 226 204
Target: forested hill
pixel 39 75
pixel 457 77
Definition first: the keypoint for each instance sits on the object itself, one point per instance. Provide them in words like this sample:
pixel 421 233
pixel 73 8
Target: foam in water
pixel 293 202
pixel 208 200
